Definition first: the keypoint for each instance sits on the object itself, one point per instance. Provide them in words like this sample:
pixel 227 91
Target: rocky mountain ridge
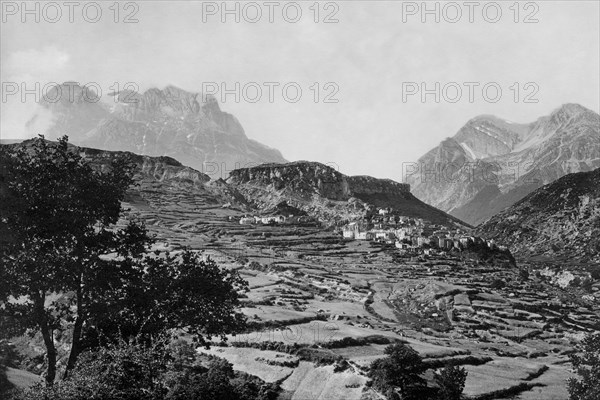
pixel 327 194
pixel 190 127
pixel 492 163
pixel 560 220
pixel 160 169
pixel 302 188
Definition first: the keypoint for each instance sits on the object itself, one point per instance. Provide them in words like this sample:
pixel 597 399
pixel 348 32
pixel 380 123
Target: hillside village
pixel 413 236
pixel 275 219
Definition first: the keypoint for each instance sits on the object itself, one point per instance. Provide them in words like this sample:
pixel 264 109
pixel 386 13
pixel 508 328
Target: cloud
pixel 26 68
pixel 36 64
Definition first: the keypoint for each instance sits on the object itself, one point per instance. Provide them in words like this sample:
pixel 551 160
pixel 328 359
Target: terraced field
pixel 308 288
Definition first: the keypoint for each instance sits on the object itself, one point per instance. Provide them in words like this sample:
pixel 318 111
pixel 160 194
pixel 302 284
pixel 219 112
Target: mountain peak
pixel 511 159
pixel 169 121
pixel 571 109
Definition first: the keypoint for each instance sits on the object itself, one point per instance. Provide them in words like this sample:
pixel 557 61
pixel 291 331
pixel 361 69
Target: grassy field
pixel 321 383
pixel 274 313
pixel 245 360
pixel 498 374
pixel 555 385
pixel 21 379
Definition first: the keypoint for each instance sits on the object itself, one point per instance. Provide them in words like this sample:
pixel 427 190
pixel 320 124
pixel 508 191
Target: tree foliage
pixel 587 366
pixel 56 216
pixel 136 370
pixel 178 292
pixel 399 375
pixel 77 271
pixel 401 369
pixel 451 382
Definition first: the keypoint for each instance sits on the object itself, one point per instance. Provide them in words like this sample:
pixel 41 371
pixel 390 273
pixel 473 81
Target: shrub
pixel 401 370
pixel 451 382
pixel 587 366
pixel 497 284
pixel 152 371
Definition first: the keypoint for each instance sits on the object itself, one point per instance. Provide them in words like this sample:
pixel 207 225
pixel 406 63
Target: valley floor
pixel 309 288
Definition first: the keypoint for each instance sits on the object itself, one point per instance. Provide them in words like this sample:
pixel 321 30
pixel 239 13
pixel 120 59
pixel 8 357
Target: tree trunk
pixel 75 346
pixel 51 354
pixel 76 341
pixel 42 321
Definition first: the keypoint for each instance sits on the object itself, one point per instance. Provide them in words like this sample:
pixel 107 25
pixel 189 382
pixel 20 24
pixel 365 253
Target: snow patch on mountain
pixel 469 150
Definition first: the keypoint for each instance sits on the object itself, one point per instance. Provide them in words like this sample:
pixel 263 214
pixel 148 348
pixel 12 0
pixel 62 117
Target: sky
pixel 362 66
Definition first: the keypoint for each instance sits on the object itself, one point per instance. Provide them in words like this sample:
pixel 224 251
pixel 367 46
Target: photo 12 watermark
pixel 470 92
pixel 490 172
pixel 253 12
pixel 129 92
pixel 53 12
pixel 69 92
pixel 453 12
pixel 316 331
pixel 254 92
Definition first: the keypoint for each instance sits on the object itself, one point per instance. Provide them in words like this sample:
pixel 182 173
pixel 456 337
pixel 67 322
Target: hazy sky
pixel 375 54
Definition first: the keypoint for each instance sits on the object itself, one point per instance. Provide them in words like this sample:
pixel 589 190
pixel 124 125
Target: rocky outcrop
pixel 310 178
pixel 327 194
pixel 491 163
pixel 161 169
pixel 301 178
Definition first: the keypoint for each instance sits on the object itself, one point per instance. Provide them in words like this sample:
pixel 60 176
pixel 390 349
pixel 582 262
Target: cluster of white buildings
pixel 383 228
pixel 274 220
pixel 412 234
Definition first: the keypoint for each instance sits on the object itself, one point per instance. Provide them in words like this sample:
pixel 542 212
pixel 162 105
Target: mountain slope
pixel 171 122
pixel 559 219
pixel 329 195
pixel 169 195
pixel 492 163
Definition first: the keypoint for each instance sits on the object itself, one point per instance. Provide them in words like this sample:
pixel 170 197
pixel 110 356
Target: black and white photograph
pixel 300 200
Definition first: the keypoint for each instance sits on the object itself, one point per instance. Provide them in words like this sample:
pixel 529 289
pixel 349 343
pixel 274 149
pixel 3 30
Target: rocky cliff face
pixel 491 163
pixel 327 194
pixel 302 179
pixel 160 169
pixel 170 122
pixel 311 178
pixel 561 219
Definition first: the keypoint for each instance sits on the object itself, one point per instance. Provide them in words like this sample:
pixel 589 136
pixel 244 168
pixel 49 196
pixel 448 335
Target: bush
pixel 398 376
pixel 451 382
pixel 524 274
pixel 152 371
pixel 400 370
pixel 587 366
pixel 497 284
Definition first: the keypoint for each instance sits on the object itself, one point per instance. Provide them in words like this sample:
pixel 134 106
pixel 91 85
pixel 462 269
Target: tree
pixel 125 370
pixel 168 292
pixel 524 274
pixel 497 284
pixel 451 382
pixel 587 366
pixel 60 213
pixel 56 218
pixel 137 370
pixel 401 369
